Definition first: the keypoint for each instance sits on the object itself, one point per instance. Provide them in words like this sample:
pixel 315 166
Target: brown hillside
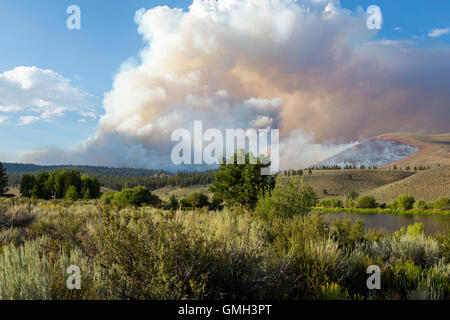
pixel 339 183
pixel 426 185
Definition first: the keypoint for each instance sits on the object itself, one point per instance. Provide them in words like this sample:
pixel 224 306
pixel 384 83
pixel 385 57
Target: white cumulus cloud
pixel 24 120
pixel 438 32
pixel 45 92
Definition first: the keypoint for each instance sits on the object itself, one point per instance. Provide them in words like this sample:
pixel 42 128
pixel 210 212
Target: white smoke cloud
pixel 307 67
pixel 300 150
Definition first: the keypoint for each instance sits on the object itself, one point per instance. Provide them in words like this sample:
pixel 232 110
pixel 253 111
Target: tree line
pixel 60 184
pixel 123 180
pixel 178 180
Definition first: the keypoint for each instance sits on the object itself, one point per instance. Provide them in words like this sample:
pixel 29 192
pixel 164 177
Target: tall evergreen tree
pixel 27 185
pixel 3 180
pixel 240 184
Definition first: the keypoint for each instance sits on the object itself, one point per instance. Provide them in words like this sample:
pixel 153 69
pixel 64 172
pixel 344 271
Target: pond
pixel 392 222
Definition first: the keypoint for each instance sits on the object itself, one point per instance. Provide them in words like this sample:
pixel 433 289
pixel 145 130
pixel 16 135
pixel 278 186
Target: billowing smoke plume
pixel 307 67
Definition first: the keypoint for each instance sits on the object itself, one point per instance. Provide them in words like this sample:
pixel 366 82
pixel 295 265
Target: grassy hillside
pixel 427 185
pixel 384 184
pixel 336 182
pixel 433 149
pixel 166 192
pixel 339 183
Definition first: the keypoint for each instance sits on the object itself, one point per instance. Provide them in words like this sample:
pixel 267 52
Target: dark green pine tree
pixel 3 180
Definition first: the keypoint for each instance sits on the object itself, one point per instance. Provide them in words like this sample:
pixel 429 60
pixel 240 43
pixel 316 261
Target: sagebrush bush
pixel 154 258
pixel 24 274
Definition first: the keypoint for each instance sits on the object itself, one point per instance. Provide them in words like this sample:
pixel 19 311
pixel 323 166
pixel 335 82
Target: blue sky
pixel 33 33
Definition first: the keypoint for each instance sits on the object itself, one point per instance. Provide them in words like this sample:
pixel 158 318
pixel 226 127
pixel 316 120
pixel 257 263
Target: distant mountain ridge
pixel 33 168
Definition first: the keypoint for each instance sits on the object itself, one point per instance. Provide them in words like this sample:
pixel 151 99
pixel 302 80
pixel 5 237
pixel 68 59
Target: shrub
pixel 286 200
pixel 331 203
pixel 108 197
pixel 350 198
pixel 173 202
pixel 366 202
pixel 420 205
pixel 443 203
pixel 411 244
pixel 138 197
pixel 352 195
pixel 24 274
pixel 216 202
pixel 72 194
pixel 393 204
pixel 124 198
pixel 347 234
pixel 333 291
pixel 405 202
pixel 143 196
pixel 197 200
pixel 147 257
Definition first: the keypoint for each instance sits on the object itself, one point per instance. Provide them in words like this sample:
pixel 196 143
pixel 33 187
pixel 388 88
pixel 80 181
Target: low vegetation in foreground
pixel 148 253
pixel 256 239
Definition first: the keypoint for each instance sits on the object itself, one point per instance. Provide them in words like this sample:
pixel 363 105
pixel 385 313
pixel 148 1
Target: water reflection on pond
pixel 390 222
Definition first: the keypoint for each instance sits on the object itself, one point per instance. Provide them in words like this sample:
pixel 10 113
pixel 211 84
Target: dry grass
pixel 426 185
pixel 166 192
pixel 338 183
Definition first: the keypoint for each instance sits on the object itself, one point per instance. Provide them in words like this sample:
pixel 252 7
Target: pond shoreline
pixel 383 211
pixel 433 224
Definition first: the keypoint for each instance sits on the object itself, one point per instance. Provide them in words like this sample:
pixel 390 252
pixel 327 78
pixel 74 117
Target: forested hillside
pixel 117 178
